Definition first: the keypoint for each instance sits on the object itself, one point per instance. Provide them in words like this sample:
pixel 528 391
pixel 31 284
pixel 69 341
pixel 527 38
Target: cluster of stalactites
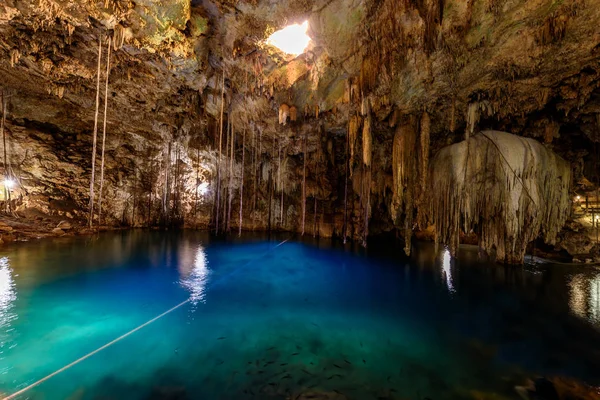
pixel 286 112
pixel 410 161
pixel 505 188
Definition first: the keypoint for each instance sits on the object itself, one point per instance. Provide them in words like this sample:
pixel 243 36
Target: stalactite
pixel 91 216
pixel 293 114
pixel 5 159
pixel 353 127
pixel 280 185
pixel 197 182
pixel 472 119
pixel 165 207
pixel 315 219
pixel 304 156
pixel 404 178
pixel 230 185
pixel 346 167
pixel 218 190
pixel 104 135
pixel 367 141
pixel 366 176
pixel 508 189
pixel 424 152
pixel 242 180
pixel 551 131
pixel 284 113
pixel 453 116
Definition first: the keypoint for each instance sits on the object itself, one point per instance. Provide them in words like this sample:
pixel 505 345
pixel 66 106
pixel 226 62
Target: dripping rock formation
pixel 208 126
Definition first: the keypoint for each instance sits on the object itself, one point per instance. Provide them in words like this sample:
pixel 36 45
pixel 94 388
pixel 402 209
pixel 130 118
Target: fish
pixel 361 344
pixel 271 348
pixel 220 362
pixel 272 383
pixel 337 391
pixel 364 362
pixel 222 337
pixel 305 371
pixel 317 325
pixel 295 354
pixel 337 366
pixel 268 363
pixel 389 378
pixel 288 376
pixel 347 362
pixel 283 365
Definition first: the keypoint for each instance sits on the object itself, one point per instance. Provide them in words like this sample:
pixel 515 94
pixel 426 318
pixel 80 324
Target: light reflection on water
pixel 8 295
pixel 194 276
pixel 584 299
pixel 447 270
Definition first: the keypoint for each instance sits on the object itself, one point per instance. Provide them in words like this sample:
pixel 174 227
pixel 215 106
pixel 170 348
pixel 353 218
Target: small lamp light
pixel 577 198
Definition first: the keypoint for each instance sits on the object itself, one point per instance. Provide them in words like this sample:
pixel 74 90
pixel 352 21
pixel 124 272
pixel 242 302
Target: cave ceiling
pixel 522 63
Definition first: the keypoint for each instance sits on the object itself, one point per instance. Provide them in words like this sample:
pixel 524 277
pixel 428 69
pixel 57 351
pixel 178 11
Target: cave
pixel 300 199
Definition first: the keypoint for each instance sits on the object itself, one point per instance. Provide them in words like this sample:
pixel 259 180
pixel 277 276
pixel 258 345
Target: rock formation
pixel 381 88
pixel 505 188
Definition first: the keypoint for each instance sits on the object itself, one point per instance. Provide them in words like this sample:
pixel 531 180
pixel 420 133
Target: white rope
pixel 131 332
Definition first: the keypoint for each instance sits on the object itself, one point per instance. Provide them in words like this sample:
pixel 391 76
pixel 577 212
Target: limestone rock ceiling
pixel 513 57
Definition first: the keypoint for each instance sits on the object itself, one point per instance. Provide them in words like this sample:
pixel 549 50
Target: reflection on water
pixel 584 298
pixel 8 295
pixel 195 276
pixel 446 270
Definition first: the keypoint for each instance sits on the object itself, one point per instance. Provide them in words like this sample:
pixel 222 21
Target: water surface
pixel 270 320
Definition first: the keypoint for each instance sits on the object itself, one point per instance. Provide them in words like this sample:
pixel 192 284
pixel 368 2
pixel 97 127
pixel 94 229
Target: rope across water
pixel 131 332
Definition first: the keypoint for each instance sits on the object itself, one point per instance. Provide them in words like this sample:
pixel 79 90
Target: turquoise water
pixel 269 320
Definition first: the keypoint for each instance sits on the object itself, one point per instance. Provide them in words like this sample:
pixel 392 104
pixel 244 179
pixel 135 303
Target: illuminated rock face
pixel 505 188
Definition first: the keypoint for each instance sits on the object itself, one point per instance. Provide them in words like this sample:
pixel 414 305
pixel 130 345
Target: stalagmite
pixel 242 180
pixel 507 188
pixel 304 155
pixel 91 216
pixel 104 135
pixel 218 190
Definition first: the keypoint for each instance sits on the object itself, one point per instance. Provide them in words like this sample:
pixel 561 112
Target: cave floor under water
pixel 267 319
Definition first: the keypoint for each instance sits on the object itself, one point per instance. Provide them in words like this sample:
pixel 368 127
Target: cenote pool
pixel 267 319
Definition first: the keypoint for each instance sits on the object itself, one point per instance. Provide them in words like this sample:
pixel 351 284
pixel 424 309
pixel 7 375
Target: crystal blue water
pixel 267 321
